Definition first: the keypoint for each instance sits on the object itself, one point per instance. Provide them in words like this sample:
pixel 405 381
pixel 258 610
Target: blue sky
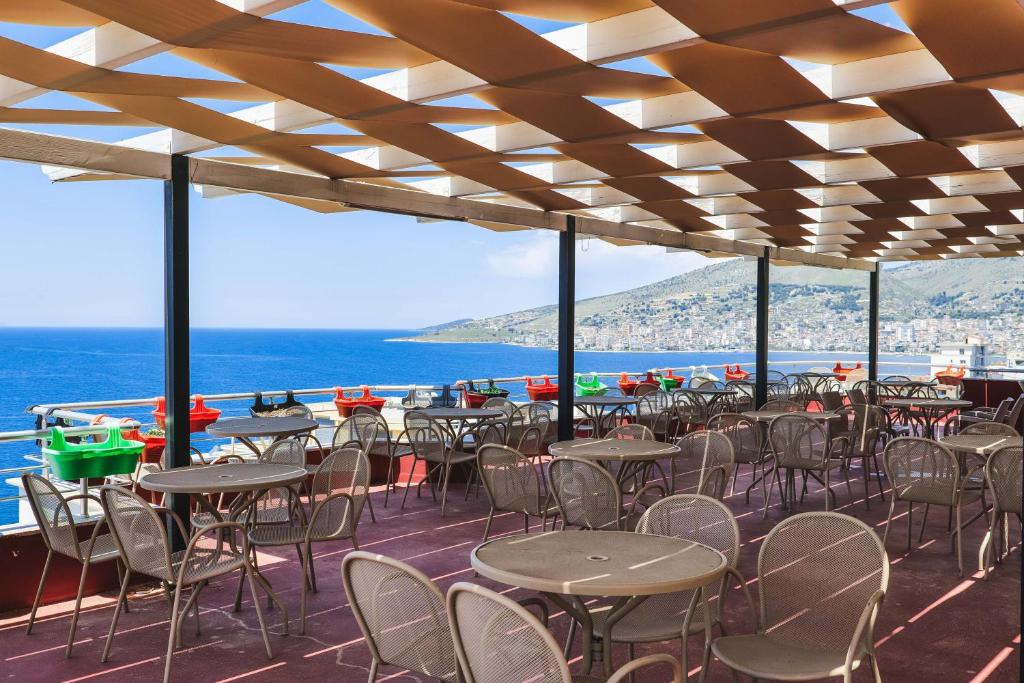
pixel 90 253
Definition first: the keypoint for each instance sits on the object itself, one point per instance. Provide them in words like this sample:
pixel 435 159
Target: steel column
pixel 873 324
pixel 566 326
pixel 176 332
pixel 761 332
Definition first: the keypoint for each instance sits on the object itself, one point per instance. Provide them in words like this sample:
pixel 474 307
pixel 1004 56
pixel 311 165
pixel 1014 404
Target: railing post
pixel 566 326
pixel 176 333
pixel 761 332
pixel 873 323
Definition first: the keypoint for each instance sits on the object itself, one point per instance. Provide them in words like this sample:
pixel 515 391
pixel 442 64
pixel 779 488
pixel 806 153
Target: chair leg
pixel 408 484
pixel 444 486
pixel 878 477
pixel 117 614
pixel 959 542
pixel 985 550
pixel 924 521
pixel 888 520
pixel 387 482
pixel 238 592
pixel 910 528
pixel 768 495
pixel 875 673
pixel 247 569
pixel 307 559
pixel 369 504
pixel 78 607
pixel 374 665
pixel 175 616
pixel 39 591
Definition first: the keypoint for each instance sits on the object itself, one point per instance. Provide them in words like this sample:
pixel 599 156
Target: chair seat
pixel 766 657
pixel 105 548
pixel 934 495
pixel 658 618
pixel 290 534
pixel 206 563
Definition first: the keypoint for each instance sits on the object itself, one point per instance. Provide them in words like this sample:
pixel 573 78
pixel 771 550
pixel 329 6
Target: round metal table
pixel 622 450
pixel 452 414
pixel 980 444
pixel 713 396
pixel 247 428
pixel 594 407
pixel 769 415
pixel 566 566
pixel 932 409
pixel 250 480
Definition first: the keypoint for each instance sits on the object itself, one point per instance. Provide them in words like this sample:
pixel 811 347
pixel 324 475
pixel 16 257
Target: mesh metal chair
pixel 386 447
pixel 744 398
pixel 689 411
pixel 653 410
pixel 525 416
pixel 588 496
pixel 402 615
pixel 867 428
pixel 822 577
pixel 532 440
pixel 800 444
pixel 644 389
pixel 498 641
pixel 60 535
pixel 337 495
pixel 636 475
pixel 512 485
pixel 676 616
pixel 432 443
pixel 141 538
pixel 709 455
pixel 745 437
pixel 1003 477
pixel 989 429
pixel 925 471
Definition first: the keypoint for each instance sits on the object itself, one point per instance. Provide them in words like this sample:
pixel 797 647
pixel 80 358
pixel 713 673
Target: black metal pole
pixel 873 324
pixel 761 332
pixel 566 326
pixel 176 329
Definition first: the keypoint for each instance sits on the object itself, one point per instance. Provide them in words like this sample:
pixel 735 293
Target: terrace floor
pixel 934 625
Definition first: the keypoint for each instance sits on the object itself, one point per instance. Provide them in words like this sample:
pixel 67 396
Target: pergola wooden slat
pixel 797 125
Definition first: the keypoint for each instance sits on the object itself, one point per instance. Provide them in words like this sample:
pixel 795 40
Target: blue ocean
pixel 53 365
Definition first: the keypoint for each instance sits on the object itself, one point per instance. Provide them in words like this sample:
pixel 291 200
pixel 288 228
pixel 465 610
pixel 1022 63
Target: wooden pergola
pixel 785 130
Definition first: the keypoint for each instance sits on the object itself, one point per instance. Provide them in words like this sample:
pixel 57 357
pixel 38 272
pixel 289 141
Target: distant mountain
pixel 802 297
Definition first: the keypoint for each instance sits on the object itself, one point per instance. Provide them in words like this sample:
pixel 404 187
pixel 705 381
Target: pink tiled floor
pixel 934 626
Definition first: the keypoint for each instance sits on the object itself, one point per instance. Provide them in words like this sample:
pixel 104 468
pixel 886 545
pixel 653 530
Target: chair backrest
pixel 285 452
pixel 689 406
pixel 817 572
pixel 800 389
pixel 798 441
pixel 503 404
pixel 645 388
pixel 712 453
pixel 857 395
pixel 1013 417
pixel 864 425
pixel 363 409
pixel 831 400
pixel 509 478
pixel 401 613
pixel 783 404
pixel 491 431
pixel 775 376
pixel 854 376
pixel 990 429
pixel 139 533
pixel 895 378
pixel 358 428
pixel 921 469
pixel 53 515
pixel 742 433
pixel 344 470
pixel 652 410
pixel 778 390
pixel 706 383
pixel 427 437
pixel 694 518
pixel 586 494
pixel 531 443
pixel 1003 474
pixel 631 431
pixel 498 641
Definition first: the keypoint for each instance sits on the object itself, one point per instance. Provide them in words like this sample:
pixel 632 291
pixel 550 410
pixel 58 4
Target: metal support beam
pixel 761 332
pixel 566 326
pixel 873 324
pixel 176 329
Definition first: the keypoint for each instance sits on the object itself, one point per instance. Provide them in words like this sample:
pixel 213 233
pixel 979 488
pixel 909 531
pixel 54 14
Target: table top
pixel 461 413
pixel 980 444
pixel 598 563
pixel 262 426
pixel 605 400
pixel 769 415
pixel 613 449
pixel 819 374
pixel 935 403
pixel 228 478
pixel 710 391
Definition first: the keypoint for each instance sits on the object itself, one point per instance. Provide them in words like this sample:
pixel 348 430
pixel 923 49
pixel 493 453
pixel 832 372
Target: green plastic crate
pixel 115 455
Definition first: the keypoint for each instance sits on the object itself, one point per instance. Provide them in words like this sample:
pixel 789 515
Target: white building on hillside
pixel 969 353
